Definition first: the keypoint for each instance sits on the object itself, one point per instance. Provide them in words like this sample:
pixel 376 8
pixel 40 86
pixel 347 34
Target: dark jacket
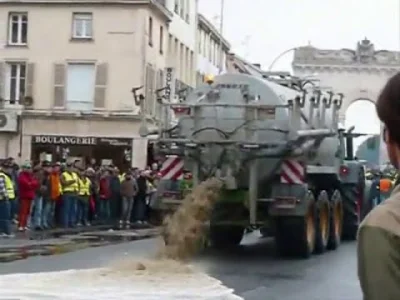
pixel 115 185
pixel 142 185
pixel 45 186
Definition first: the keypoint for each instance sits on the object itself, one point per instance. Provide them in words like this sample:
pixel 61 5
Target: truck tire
pixel 336 221
pixel 265 232
pixel 222 236
pixel 353 201
pixel 295 236
pixel 224 231
pixel 322 226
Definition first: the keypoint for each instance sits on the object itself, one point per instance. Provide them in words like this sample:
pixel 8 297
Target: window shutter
pixel 2 80
pixel 59 85
pixel 153 90
pixel 30 75
pixel 101 86
pixel 148 89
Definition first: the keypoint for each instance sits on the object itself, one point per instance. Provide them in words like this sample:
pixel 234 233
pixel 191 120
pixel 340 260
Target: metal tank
pixel 221 112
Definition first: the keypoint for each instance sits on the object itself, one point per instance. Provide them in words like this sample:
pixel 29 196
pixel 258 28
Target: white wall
pixel 204 66
pixel 184 31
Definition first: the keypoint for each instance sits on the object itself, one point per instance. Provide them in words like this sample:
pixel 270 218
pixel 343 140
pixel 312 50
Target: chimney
pixel 257 65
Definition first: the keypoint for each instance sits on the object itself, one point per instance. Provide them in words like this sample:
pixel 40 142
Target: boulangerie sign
pixel 75 140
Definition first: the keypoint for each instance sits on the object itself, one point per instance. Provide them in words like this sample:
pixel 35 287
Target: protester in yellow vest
pixel 70 185
pixel 85 186
pixel 5 222
pixel 6 171
pixel 9 185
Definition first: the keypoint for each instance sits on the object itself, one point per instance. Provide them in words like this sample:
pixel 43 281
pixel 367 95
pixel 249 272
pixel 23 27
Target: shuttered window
pixel 80 86
pixel 59 85
pixel 101 86
pixel 159 85
pixel 150 90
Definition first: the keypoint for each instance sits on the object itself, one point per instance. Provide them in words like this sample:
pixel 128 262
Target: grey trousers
pixel 127 206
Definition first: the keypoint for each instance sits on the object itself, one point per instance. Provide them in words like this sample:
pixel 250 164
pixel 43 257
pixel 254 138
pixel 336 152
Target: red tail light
pixel 181 111
pixel 344 171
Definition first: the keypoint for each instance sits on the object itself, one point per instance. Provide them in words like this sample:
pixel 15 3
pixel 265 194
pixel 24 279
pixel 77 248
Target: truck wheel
pixel 336 221
pixel 349 193
pixel 295 236
pixel 322 226
pixel 265 231
pixel 226 229
pixel 222 236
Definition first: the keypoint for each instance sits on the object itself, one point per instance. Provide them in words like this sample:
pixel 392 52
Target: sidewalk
pixel 63 241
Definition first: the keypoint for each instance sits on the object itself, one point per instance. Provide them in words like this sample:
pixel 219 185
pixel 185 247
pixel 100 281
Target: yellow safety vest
pixel 70 188
pixel 84 187
pixel 76 184
pixel 60 188
pixel 121 177
pixel 9 186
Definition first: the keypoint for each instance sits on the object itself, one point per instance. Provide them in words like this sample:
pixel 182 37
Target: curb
pixel 14 253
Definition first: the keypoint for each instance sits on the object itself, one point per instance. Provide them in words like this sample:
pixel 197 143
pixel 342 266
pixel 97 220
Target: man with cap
pixel 69 183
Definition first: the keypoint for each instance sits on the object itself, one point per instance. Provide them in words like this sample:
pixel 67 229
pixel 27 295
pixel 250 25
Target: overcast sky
pixel 260 30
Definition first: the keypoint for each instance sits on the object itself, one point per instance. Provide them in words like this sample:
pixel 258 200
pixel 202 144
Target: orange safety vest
pixel 385 185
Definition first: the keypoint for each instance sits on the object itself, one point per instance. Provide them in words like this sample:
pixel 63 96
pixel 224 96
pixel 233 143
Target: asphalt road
pixel 252 270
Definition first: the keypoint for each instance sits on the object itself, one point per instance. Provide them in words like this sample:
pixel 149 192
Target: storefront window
pixel 85 149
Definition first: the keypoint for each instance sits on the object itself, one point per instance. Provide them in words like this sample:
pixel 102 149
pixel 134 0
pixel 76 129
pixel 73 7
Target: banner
pixel 170 79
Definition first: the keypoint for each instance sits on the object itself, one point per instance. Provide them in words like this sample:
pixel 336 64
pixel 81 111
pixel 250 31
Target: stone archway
pixel 354 95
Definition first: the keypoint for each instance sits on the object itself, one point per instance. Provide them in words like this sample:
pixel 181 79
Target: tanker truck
pixel 287 167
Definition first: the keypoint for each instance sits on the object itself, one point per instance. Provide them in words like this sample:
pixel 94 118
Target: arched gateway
pixel 359 74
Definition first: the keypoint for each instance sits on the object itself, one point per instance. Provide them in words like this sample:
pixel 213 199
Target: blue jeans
pixel 13 208
pixel 83 210
pixel 49 213
pixel 5 223
pixel 37 211
pixel 69 210
pixel 105 209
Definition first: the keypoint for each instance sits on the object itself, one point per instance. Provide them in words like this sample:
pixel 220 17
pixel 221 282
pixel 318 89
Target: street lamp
pixel 279 56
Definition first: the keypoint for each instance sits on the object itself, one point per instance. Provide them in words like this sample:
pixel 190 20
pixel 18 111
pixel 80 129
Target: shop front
pixel 88 150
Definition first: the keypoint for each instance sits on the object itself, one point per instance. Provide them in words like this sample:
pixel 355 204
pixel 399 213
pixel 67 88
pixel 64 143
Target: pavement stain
pixel 73 243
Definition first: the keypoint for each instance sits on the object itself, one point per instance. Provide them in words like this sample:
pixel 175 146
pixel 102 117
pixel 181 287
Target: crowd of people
pixel 47 195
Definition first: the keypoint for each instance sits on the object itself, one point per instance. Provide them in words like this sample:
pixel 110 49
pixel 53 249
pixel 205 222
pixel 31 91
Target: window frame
pixel 161 39
pixel 67 103
pixel 20 15
pixel 18 78
pixel 85 18
pixel 150 31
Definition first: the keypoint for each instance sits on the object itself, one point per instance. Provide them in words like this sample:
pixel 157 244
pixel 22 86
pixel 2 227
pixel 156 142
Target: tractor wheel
pixel 222 236
pixel 225 231
pixel 296 236
pixel 322 225
pixel 265 232
pixel 336 221
pixel 353 201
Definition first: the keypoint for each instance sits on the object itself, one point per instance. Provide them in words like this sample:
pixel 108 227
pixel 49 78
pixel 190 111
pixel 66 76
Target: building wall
pixel 119 37
pixel 209 49
pixel 120 48
pixel 182 39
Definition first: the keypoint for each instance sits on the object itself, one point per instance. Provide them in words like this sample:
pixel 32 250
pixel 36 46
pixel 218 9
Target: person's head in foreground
pixel 388 110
